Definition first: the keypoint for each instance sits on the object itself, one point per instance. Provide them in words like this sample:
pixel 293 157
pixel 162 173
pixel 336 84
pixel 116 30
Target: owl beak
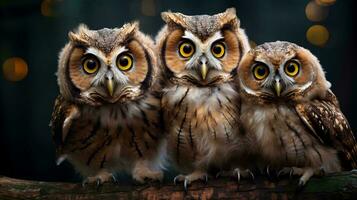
pixel 204 71
pixel 277 87
pixel 110 87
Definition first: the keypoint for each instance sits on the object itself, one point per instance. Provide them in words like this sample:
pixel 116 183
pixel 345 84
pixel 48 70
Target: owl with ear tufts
pixel 106 119
pixel 288 106
pixel 198 56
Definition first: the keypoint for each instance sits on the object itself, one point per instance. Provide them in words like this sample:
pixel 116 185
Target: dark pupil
pixel 261 71
pixel 291 68
pixel 123 61
pixel 217 49
pixel 91 64
pixel 187 48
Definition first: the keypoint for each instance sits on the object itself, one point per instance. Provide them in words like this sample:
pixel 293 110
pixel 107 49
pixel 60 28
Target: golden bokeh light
pixel 46 8
pixel 325 2
pixel 15 69
pixel 315 12
pixel 317 35
pixel 148 7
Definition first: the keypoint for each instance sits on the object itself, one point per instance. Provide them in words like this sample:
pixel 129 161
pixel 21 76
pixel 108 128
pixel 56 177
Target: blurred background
pixel 33 32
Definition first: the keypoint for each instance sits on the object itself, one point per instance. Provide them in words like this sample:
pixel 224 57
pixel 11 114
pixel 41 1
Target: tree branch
pixel 335 186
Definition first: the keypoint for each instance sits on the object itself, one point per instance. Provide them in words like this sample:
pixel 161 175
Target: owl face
pixel 281 70
pixel 107 65
pixel 201 50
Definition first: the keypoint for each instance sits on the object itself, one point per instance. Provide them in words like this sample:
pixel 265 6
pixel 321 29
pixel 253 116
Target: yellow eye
pixel 292 68
pixel 260 71
pixel 90 64
pixel 186 49
pixel 125 62
pixel 218 49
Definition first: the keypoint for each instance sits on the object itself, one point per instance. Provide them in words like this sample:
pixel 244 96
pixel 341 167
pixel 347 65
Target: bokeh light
pixel 46 8
pixel 317 35
pixel 15 69
pixel 325 2
pixel 315 12
pixel 148 7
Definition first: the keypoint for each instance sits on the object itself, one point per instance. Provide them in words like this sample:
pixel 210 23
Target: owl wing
pixel 62 116
pixel 330 126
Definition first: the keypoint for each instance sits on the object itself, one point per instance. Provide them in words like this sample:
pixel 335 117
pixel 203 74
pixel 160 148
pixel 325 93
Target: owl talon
pixel 85 183
pixel 115 180
pixel 268 171
pixel 251 174
pixel 179 178
pixel 186 183
pixel 98 182
pixel 245 174
pixel 190 178
pixel 238 174
pixel 205 178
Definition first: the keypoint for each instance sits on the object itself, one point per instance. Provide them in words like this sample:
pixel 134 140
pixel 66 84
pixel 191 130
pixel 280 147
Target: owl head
pixel 281 71
pixel 201 50
pixel 106 65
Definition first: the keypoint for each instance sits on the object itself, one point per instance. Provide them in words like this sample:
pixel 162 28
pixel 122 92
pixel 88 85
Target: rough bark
pixel 335 186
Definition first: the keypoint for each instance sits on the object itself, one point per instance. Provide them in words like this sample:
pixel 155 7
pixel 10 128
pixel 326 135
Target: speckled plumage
pixel 108 121
pixel 200 110
pixel 296 119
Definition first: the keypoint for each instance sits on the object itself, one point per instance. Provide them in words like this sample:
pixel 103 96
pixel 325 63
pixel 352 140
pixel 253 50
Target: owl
pixel 106 119
pixel 287 104
pixel 198 56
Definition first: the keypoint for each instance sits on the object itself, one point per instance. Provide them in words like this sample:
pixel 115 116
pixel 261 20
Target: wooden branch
pixel 335 186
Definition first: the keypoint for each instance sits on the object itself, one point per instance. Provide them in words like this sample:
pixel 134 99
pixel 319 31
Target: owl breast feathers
pixel 106 119
pixel 288 106
pixel 199 97
pixel 198 56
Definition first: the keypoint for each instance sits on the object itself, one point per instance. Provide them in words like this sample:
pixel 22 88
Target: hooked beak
pixel 203 69
pixel 110 86
pixel 277 87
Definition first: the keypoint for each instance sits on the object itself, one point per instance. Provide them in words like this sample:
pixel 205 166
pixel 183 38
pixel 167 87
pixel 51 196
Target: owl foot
pixel 242 173
pixel 188 179
pixel 142 173
pixel 99 179
pixel 270 172
pixel 286 171
pixel 305 173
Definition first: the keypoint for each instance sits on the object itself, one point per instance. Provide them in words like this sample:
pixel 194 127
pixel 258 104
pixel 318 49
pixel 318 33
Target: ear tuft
pixel 229 18
pixel 129 28
pixel 174 18
pixel 79 35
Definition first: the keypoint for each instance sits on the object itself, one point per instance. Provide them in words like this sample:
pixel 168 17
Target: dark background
pixel 37 30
